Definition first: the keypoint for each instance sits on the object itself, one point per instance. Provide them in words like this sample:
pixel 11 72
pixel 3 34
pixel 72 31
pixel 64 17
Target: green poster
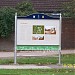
pixel 38 29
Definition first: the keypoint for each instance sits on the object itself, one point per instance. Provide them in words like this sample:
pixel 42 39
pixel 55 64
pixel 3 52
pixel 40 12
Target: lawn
pixel 37 72
pixel 65 59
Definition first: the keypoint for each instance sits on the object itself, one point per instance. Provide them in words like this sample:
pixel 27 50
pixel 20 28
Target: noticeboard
pixel 38 32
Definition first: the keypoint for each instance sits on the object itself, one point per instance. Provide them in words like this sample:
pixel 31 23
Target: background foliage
pixel 7 17
pixel 6 21
pixel 25 8
pixel 69 9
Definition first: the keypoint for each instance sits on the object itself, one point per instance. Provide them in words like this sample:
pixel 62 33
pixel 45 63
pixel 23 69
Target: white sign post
pixel 37 32
pixel 15 52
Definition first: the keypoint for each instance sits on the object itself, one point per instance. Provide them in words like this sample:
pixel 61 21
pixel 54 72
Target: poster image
pixel 37 37
pixel 50 30
pixel 38 29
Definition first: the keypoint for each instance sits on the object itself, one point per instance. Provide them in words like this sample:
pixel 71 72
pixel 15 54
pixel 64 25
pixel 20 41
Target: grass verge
pixel 65 59
pixel 37 72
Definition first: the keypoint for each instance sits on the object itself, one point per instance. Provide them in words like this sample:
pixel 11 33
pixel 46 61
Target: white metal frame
pixel 60 40
pixel 15 52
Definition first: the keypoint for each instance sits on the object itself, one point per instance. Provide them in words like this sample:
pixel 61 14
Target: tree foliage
pixel 6 21
pixel 69 9
pixel 25 8
pixel 7 17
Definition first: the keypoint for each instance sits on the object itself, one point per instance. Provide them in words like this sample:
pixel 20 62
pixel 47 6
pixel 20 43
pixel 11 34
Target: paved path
pixel 22 67
pixel 33 67
pixel 34 53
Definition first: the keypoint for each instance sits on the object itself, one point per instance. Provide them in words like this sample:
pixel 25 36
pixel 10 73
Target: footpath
pixel 32 66
pixel 34 53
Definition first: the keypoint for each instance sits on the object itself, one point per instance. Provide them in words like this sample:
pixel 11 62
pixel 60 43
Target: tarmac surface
pixel 34 53
pixel 32 66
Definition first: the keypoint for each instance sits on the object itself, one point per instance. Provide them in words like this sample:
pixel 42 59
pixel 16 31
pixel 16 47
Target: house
pixel 45 6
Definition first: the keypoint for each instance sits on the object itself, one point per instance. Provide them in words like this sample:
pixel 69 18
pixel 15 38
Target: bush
pixel 25 8
pixel 69 9
pixel 7 15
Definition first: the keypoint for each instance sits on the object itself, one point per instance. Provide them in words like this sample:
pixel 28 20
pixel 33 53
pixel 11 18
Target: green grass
pixel 37 72
pixel 68 59
pixel 65 59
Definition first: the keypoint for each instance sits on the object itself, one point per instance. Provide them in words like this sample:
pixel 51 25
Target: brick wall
pixel 68 33
pixel 7 44
pixel 68 36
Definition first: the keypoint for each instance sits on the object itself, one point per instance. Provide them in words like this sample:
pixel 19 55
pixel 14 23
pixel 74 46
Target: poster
pixel 38 34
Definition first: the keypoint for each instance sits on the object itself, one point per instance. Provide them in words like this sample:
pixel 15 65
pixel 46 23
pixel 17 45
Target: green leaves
pixel 25 8
pixel 69 9
pixel 7 15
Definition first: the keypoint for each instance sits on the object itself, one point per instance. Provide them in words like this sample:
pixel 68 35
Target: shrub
pixel 25 8
pixel 7 15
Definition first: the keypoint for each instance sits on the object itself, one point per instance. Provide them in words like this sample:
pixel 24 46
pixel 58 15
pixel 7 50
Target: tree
pixel 7 15
pixel 25 8
pixel 69 9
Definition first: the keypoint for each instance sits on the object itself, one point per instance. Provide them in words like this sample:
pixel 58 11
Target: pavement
pixel 32 66
pixel 35 53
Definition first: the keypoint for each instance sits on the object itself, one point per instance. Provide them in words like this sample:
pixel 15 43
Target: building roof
pixel 48 5
pixel 39 5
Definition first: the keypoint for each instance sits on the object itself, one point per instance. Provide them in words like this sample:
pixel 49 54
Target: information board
pixel 38 32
